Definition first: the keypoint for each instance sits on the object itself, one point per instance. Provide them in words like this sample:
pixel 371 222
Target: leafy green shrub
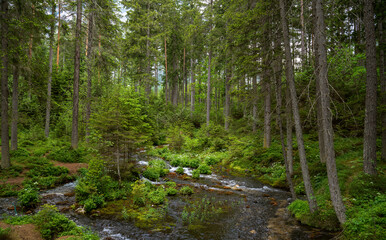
pixel 93 202
pixel 211 160
pixel 4 233
pixel 171 184
pixel 28 197
pixel 194 163
pixel 186 190
pixel 175 162
pixel 8 190
pixel 196 174
pixel 51 223
pixel 204 169
pixel 20 152
pixel 366 187
pixel 158 196
pixel 47 170
pixel 367 221
pixel 12 171
pixel 152 173
pixel 180 170
pixel 67 155
pixel 171 191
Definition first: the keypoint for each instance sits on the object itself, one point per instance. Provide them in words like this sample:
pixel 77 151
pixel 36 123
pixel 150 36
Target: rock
pixel 80 210
pixel 28 212
pixel 11 208
pixel 253 231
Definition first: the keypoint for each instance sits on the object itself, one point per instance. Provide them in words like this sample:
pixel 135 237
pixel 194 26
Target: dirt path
pixel 22 232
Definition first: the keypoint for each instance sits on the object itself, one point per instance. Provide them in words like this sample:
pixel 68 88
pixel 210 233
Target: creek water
pixel 253 211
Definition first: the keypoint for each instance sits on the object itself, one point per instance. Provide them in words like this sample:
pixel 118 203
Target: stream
pixel 258 211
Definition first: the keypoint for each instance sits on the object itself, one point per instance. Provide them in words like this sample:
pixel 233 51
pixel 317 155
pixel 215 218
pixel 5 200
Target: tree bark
pixel 5 161
pixel 48 107
pixel 322 150
pixel 370 132
pixel 185 83
pixel 383 88
pixel 75 107
pixel 209 75
pixel 166 74
pixel 303 45
pixel 277 73
pixel 325 114
pixel 58 47
pixel 192 87
pixel 267 112
pixel 289 132
pixel 295 109
pixel 15 103
pixel 90 57
pixel 254 108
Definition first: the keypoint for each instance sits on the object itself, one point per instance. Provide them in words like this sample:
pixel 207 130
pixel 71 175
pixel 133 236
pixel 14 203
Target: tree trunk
pixel 185 83
pixel 75 108
pixel 166 74
pixel 277 74
pixel 325 114
pixel 5 161
pixel 267 112
pixel 58 48
pixel 48 107
pixel 295 109
pixel 289 132
pixel 383 89
pixel 227 96
pixel 370 131
pixel 90 56
pixel 254 102
pixel 192 87
pixel 303 45
pixel 209 76
pixel 156 78
pixel 322 150
pixel 15 103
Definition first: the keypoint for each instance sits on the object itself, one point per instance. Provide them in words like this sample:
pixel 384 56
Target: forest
pixel 192 119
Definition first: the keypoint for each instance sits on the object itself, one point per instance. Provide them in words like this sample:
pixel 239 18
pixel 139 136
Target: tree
pixel 75 108
pixel 90 56
pixel 208 93
pixel 370 131
pixel 295 110
pixel 49 83
pixel 5 161
pixel 325 114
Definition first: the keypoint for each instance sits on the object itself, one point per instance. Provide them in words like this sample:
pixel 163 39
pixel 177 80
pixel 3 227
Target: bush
pixel 51 223
pixel 204 169
pixel 175 138
pixel 171 184
pixel 152 173
pixel 20 152
pixel 186 190
pixel 94 202
pixel 47 170
pixel 180 170
pixel 171 191
pixel 28 197
pixel 196 174
pixel 67 155
pixel 158 196
pixel 194 163
pixel 4 233
pixel 367 221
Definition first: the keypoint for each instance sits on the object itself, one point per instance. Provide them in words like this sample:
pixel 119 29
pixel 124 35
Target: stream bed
pixel 257 211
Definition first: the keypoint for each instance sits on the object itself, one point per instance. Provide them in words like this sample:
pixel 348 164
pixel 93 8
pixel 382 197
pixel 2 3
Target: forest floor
pixel 22 232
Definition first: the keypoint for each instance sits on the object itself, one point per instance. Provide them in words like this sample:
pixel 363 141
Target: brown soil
pixel 22 232
pixel 72 167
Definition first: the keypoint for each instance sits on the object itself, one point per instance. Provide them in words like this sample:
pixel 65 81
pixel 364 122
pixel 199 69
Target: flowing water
pixel 253 211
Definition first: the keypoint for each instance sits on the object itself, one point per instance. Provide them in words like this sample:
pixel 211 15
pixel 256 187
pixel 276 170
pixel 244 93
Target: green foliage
pixel 175 138
pixel 366 187
pixel 8 190
pixel 93 202
pixel 171 191
pixel 186 190
pixel 19 152
pixel 158 196
pixel 368 220
pixel 180 170
pixel 171 184
pixel 4 233
pixel 68 155
pixel 196 174
pixel 14 171
pixel 45 171
pixel 204 169
pixel 28 197
pixel 152 173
